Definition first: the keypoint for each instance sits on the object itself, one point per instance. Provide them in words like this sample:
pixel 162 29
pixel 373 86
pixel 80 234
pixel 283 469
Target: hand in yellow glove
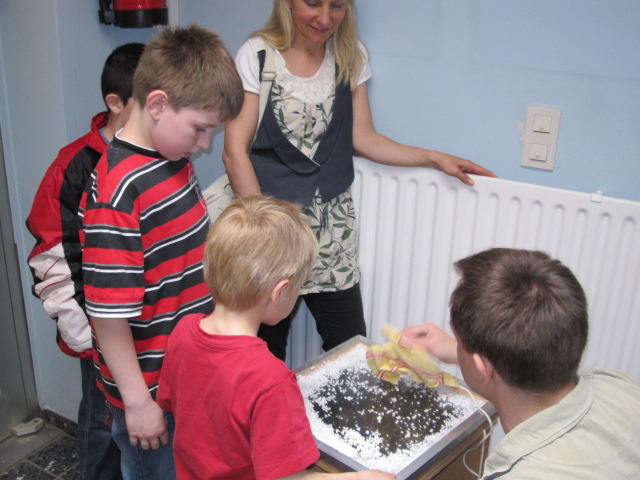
pixel 391 360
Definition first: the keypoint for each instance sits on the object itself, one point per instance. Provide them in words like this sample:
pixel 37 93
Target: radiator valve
pixel 597 196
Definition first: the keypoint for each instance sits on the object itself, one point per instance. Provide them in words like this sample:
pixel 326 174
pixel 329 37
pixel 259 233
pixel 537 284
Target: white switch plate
pixel 539 152
pixel 542 123
pixel 537 133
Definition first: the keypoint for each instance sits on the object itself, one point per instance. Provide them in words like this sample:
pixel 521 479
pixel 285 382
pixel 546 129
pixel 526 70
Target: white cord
pixel 485 436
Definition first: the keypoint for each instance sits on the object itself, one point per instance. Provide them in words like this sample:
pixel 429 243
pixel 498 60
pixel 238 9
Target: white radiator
pixel 414 223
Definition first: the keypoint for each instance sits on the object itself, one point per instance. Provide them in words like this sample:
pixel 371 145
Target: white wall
pixel 456 76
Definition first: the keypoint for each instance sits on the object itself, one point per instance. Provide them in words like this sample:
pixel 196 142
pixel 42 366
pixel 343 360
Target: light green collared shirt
pixel 592 433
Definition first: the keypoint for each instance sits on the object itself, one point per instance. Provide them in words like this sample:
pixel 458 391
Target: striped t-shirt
pixel 145 225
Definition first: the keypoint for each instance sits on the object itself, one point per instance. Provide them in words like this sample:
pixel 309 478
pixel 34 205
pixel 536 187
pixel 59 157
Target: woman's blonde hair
pixel 280 31
pixel 255 243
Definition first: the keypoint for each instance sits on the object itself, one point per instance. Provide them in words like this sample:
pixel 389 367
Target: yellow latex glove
pixel 391 360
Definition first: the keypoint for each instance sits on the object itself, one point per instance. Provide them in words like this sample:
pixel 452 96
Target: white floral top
pixel 303 108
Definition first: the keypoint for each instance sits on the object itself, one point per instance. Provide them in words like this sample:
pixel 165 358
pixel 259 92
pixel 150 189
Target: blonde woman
pixel 316 118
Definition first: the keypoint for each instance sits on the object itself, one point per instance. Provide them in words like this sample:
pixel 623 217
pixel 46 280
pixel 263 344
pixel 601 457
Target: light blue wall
pixel 51 57
pixel 453 75
pixel 457 76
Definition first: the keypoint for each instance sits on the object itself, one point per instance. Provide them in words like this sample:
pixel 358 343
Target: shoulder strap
pixel 267 74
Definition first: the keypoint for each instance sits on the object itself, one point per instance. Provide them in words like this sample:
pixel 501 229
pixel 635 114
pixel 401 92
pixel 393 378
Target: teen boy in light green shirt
pixel 520 322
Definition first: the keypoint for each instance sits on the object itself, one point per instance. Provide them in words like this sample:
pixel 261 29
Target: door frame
pixel 18 395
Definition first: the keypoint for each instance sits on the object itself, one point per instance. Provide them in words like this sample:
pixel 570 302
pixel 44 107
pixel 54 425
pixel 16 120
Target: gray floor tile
pixel 14 449
pixel 58 456
pixel 24 471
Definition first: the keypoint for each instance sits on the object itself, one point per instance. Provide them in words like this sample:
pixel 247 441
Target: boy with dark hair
pixel 117 75
pixel 239 411
pixel 56 260
pixel 520 322
pixel 145 225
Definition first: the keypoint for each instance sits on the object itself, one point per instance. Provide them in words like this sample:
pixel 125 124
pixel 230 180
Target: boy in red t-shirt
pixel 238 409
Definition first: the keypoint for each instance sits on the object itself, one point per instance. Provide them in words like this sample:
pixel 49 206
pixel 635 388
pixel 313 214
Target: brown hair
pixel 193 67
pixel 256 242
pixel 525 312
pixel 280 31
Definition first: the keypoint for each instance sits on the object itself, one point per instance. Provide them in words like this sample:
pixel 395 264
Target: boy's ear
pixel 114 103
pixel 157 100
pixel 278 290
pixel 484 367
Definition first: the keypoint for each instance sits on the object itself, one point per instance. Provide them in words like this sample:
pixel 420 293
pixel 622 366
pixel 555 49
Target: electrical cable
pixel 485 436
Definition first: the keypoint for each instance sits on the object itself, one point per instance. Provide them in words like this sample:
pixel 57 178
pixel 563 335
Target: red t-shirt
pixel 238 409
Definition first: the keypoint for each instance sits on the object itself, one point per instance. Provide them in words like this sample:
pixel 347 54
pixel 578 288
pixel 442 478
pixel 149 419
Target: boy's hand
pixel 433 339
pixel 146 425
pixel 375 475
pixel 144 418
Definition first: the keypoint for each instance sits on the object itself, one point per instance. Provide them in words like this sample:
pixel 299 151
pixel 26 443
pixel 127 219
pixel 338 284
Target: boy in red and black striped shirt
pixel 144 230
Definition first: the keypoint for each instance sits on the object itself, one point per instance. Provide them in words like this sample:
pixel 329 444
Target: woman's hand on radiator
pixel 458 167
pixel 433 339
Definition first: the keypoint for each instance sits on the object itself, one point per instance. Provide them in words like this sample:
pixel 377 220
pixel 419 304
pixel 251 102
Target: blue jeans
pixel 139 464
pixel 98 455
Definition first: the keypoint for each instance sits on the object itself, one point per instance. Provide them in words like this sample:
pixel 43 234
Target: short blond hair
pixel 255 243
pixel 193 67
pixel 280 31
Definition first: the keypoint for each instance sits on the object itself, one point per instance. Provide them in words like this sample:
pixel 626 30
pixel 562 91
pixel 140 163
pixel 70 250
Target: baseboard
pixel 65 424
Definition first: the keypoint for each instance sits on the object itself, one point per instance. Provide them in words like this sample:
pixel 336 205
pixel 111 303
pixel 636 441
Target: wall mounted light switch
pixel 540 137
pixel 542 123
pixel 538 152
